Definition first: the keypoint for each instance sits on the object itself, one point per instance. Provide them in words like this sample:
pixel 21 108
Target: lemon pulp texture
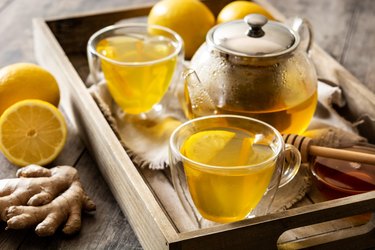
pixel 32 132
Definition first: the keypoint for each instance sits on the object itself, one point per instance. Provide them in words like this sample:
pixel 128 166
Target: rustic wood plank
pixel 3 4
pixel 359 51
pixel 109 223
pixel 202 243
pixel 332 18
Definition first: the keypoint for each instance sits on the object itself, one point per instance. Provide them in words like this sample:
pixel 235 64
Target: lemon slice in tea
pixel 218 147
pixel 32 132
pixel 204 146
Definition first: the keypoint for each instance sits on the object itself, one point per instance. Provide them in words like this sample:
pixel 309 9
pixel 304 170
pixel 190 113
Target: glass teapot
pixel 256 68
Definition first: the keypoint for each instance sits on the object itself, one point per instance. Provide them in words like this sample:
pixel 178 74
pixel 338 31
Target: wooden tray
pixel 60 46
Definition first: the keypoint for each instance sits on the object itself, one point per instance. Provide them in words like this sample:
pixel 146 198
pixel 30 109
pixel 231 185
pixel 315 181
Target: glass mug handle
pixel 291 164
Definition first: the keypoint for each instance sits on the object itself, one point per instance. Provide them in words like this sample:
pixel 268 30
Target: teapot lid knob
pixel 256 22
pixel 253 36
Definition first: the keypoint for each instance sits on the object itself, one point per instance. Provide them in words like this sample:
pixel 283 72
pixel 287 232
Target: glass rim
pixel 175 35
pixel 231 168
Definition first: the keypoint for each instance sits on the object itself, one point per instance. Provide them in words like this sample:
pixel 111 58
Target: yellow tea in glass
pixel 230 148
pixel 226 166
pixel 138 62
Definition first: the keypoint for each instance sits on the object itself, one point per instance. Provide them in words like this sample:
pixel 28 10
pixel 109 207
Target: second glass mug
pixel 139 63
pixel 235 180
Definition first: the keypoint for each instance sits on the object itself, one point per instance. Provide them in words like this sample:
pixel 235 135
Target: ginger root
pixel 45 198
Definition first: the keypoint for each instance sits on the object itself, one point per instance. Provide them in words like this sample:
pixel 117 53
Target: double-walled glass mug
pixel 227 167
pixel 139 62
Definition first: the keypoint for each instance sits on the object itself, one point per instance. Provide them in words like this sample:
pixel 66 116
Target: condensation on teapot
pixel 279 87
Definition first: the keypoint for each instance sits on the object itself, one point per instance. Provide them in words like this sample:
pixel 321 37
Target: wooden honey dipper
pixel 307 149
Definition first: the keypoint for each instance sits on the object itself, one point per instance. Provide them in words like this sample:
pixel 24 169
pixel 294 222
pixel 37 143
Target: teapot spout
pixel 304 29
pixel 198 101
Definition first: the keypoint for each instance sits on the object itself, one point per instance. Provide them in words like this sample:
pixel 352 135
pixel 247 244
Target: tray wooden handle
pixel 268 229
pixel 307 149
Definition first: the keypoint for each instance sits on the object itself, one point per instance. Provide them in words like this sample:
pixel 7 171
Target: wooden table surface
pixel 344 28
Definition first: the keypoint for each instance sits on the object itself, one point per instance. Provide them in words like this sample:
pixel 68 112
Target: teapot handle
pixel 304 28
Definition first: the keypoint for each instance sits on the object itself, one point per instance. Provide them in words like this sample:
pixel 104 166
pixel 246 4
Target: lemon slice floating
pixel 32 132
pixel 204 146
pixel 219 147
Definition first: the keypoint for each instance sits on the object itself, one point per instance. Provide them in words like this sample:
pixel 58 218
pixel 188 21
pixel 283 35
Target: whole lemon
pixel 239 9
pixel 191 19
pixel 22 81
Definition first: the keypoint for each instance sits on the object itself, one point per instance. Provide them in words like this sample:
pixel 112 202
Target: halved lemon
pixel 32 132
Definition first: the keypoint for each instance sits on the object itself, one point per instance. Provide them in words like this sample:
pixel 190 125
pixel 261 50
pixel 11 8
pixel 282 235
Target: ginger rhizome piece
pixel 45 198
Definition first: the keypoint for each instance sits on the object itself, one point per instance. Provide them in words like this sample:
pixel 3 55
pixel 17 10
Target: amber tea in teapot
pixel 266 76
pixel 288 112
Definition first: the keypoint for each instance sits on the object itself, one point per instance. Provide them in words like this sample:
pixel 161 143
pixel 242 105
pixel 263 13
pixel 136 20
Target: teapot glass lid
pixel 254 36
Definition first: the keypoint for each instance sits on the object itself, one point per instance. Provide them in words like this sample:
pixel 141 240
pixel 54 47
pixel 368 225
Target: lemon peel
pixel 191 19
pixel 239 9
pixel 22 81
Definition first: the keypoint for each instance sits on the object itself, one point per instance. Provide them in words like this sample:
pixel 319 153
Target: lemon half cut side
pixel 32 132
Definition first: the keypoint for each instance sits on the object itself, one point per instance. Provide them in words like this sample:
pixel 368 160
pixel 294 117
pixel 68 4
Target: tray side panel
pixel 74 32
